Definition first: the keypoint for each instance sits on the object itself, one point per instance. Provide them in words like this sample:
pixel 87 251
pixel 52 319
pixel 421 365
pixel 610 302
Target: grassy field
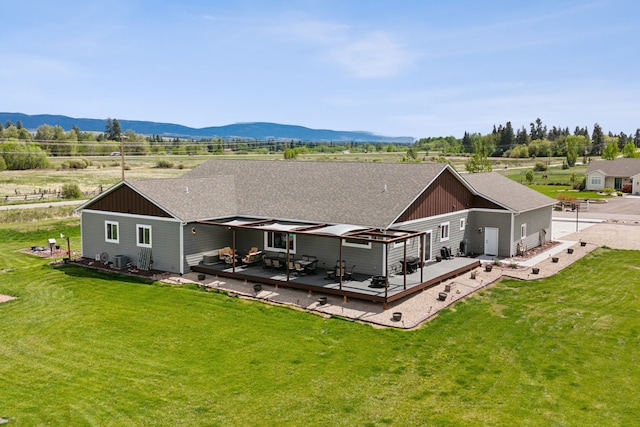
pixel 84 348
pixel 106 171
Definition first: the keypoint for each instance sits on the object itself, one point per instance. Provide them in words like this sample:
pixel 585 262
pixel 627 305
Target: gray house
pixel 614 174
pixel 393 221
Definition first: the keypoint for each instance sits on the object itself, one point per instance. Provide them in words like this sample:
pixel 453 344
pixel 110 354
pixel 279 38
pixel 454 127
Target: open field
pixel 106 171
pixel 80 347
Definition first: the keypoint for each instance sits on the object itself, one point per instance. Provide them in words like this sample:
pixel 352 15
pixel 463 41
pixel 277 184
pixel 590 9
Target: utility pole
pixel 122 137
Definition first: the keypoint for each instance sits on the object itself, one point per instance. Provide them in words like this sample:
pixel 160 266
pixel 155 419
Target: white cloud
pixel 375 55
pixel 370 55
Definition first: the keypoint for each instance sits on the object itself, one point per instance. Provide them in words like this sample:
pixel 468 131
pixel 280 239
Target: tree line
pixel 22 149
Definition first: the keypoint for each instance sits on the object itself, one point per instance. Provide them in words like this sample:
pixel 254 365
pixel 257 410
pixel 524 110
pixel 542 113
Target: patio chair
pixel 312 268
pixel 277 264
pixel 267 262
pixel 348 274
pixel 298 268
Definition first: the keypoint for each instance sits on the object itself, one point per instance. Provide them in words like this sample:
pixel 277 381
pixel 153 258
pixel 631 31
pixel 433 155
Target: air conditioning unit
pixel 120 261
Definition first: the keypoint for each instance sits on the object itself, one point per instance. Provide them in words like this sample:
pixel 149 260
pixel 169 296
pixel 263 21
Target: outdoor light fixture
pixel 193 231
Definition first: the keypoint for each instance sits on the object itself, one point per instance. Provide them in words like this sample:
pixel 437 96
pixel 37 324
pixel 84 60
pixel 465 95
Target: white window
pixel 523 231
pixel 143 233
pixel 111 232
pixel 277 241
pixel 596 180
pixel 444 231
pixel 356 244
pixel 463 223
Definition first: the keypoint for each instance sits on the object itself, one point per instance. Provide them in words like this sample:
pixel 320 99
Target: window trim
pixel 463 223
pixel 356 244
pixel 523 231
pixel 595 178
pixel 144 227
pixel 444 226
pixel 107 228
pixel 267 247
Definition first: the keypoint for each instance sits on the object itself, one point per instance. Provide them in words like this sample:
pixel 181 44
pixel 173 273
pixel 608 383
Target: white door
pixel 490 241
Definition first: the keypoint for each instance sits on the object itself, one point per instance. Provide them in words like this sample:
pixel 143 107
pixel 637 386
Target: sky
pixel 397 68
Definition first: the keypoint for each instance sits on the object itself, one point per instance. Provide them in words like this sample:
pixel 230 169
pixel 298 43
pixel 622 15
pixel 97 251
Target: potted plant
pixel 397 316
pixel 554 259
pixel 322 300
pixel 488 267
pixel 535 270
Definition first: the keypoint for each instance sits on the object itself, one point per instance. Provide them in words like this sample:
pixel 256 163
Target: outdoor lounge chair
pixel 252 258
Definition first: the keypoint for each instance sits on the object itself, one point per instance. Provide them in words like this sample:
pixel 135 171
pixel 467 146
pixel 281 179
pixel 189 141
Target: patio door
pixel 490 241
pixel 617 184
pixel 427 246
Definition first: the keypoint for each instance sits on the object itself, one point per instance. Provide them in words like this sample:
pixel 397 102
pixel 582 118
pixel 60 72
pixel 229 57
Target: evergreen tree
pixel 522 138
pixel 467 145
pixel 636 138
pixel 597 138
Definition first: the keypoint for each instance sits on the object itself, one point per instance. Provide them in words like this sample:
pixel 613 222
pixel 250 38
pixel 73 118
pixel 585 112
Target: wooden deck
pixel 399 286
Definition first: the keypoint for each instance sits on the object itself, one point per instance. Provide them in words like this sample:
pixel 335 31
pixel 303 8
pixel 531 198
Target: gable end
pixel 126 200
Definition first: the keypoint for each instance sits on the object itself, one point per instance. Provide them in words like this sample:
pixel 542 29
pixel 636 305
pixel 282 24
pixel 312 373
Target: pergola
pixel 336 231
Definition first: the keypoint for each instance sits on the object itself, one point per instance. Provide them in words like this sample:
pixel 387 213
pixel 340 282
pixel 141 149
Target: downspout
pixel 182 225
pixel 511 251
pixel 404 249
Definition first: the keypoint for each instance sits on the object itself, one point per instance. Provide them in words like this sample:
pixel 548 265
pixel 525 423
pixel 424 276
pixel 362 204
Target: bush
pixel 76 164
pixel 164 164
pixel 626 188
pixel 540 166
pixel 609 191
pixel 3 165
pixel 71 191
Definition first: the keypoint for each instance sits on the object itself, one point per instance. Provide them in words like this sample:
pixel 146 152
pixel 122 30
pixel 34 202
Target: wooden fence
pixel 41 196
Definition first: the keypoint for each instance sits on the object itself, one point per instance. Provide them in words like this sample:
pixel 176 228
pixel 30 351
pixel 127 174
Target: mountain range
pixel 255 130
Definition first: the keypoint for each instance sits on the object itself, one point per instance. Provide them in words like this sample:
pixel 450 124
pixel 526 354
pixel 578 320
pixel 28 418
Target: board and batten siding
pixel 165 238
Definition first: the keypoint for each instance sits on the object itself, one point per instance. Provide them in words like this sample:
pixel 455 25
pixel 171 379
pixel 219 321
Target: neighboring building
pixel 375 215
pixel 614 174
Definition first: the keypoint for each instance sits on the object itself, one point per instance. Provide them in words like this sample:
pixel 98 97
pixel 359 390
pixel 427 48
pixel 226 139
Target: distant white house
pixel 614 174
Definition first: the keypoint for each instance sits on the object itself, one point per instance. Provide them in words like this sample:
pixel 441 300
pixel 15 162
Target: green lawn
pixel 83 348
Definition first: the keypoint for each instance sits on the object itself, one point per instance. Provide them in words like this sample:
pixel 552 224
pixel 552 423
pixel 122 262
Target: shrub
pixel 164 164
pixel 540 166
pixel 608 191
pixel 626 188
pixel 3 165
pixel 77 164
pixel 71 191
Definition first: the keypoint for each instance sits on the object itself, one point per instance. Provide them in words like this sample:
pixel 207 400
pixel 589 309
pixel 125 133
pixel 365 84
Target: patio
pixel 360 287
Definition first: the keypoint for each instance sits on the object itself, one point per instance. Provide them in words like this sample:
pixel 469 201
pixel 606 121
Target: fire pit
pixel 378 282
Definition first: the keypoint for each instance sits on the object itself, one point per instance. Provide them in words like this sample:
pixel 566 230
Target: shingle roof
pixel 190 199
pixel 507 192
pixel 364 194
pixel 368 194
pixel 618 168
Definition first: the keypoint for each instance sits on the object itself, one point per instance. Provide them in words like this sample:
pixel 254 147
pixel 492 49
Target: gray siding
pixel 206 238
pixel 538 223
pixel 501 220
pixel 456 235
pixel 165 239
